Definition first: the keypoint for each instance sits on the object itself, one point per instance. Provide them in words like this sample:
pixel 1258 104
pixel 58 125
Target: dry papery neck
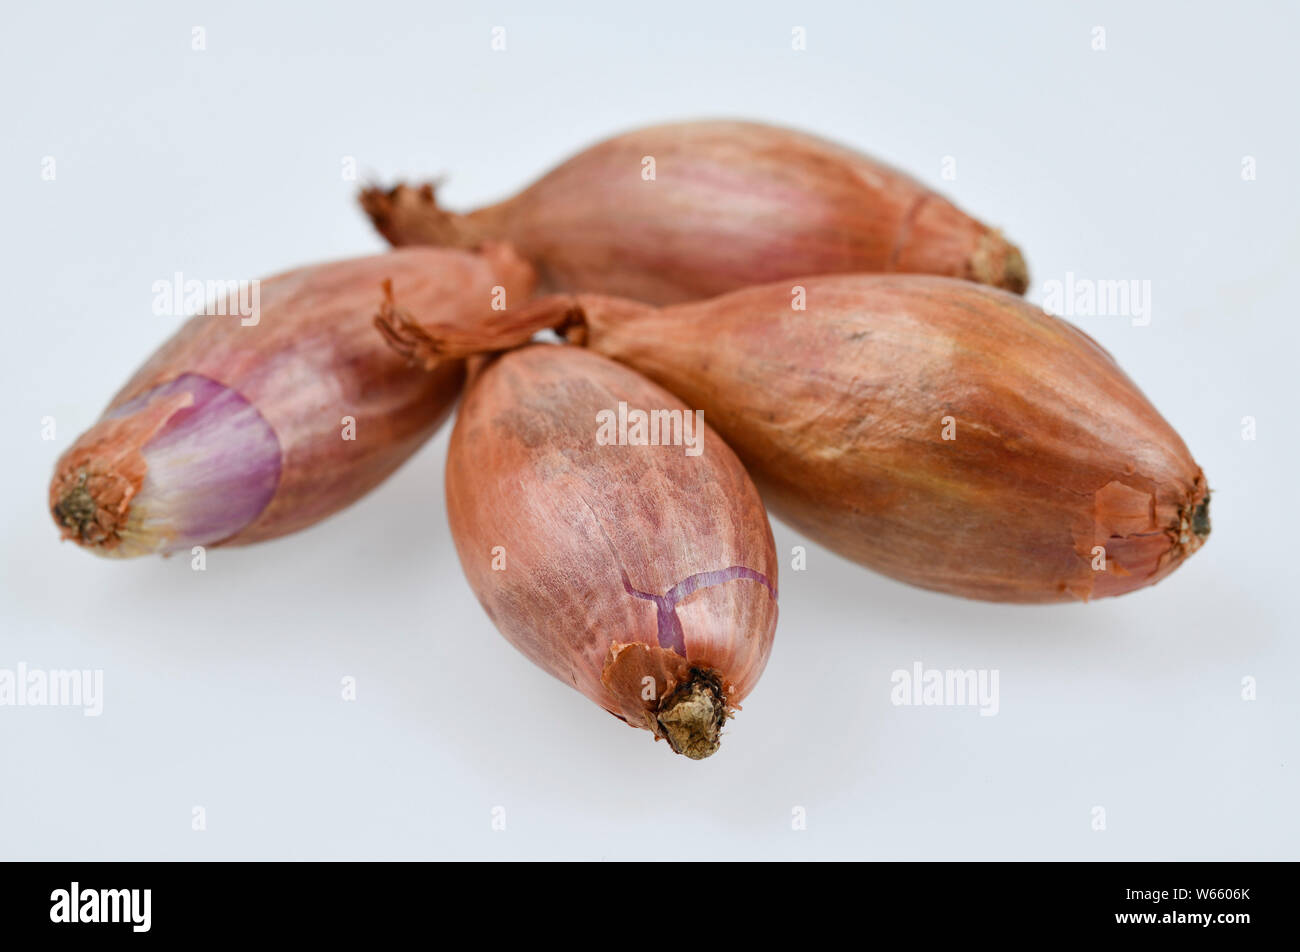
pixel 410 215
pixel 502 330
pixel 691 717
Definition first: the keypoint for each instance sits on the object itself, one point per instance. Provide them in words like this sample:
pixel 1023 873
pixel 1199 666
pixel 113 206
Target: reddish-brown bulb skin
pixel 946 434
pixel 684 211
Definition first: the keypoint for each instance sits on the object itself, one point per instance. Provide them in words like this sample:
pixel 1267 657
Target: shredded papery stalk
pixel 427 344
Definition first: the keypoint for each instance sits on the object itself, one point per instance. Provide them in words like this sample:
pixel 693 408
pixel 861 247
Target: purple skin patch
pixel 212 467
pixel 671 635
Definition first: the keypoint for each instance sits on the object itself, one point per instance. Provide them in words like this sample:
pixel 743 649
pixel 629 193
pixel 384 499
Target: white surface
pixel 222 687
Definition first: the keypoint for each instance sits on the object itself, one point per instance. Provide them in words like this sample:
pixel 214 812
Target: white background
pixel 222 688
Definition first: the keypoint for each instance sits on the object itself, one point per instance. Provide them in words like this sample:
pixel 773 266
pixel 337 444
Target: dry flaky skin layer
pixel 1061 480
pixel 312 358
pixel 96 479
pixel 594 537
pixel 732 204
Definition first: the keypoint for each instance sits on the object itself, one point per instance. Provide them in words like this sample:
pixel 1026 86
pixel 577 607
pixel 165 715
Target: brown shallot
pixel 614 539
pixel 241 429
pixel 677 212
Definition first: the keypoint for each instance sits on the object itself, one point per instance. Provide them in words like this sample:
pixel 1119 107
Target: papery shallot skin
pixel 731 204
pixel 1061 481
pixel 944 433
pixel 640 575
pixel 235 432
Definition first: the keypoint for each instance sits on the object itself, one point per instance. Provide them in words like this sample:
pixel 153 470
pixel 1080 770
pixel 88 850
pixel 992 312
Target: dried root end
pixel 1194 523
pixel 1201 519
pixel 76 509
pixel 998 262
pixel 1015 273
pixel 692 716
pixel 97 480
pixel 91 509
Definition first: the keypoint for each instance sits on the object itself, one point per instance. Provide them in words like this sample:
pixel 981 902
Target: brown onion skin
pixel 312 358
pixel 525 472
pixel 839 412
pixel 732 204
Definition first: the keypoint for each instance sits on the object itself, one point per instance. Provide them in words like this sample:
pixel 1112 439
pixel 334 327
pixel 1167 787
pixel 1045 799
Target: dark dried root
pixel 76 511
pixel 999 263
pixel 1201 519
pixel 691 717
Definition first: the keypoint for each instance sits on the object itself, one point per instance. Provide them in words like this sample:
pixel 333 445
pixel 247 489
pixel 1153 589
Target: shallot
pixel 237 430
pixel 614 539
pixel 677 212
